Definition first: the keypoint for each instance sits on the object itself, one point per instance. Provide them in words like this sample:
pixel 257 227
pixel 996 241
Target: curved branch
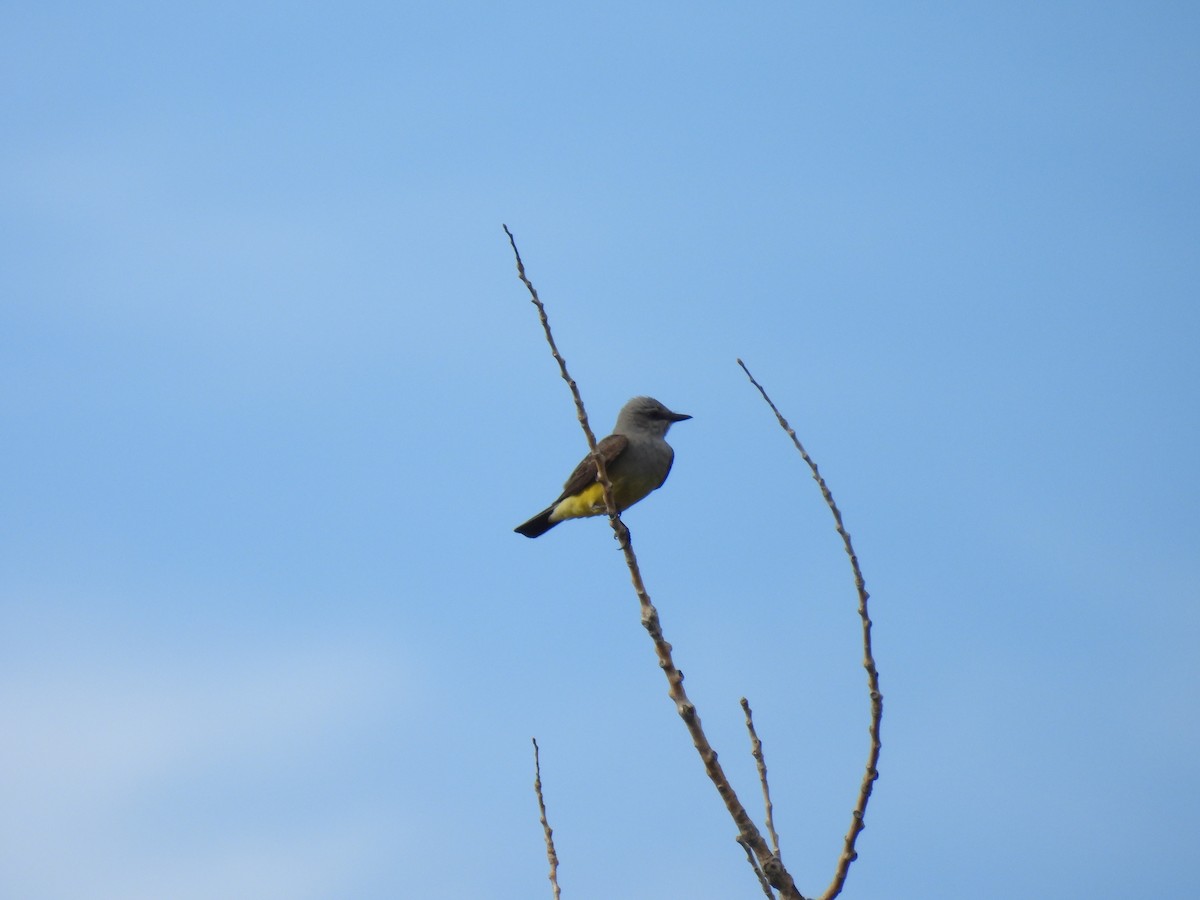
pixel 857 817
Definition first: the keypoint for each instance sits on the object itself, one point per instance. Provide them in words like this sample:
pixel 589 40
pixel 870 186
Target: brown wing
pixel 585 473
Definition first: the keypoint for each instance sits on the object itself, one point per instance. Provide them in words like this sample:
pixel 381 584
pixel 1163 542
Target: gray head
pixel 646 415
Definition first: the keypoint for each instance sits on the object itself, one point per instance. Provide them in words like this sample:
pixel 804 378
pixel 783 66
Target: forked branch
pixel 765 860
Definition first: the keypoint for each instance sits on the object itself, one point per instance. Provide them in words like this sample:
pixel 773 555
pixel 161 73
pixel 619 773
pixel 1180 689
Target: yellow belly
pixel 590 501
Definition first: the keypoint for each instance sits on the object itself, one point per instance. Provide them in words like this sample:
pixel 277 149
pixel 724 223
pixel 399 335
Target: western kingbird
pixel 636 458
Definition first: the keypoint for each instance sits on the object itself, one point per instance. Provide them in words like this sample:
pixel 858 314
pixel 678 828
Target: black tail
pixel 538 525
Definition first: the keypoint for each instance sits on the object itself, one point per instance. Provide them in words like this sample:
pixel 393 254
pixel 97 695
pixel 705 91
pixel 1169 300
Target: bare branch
pixel 761 762
pixel 546 829
pixel 871 774
pixel 562 364
pixel 779 877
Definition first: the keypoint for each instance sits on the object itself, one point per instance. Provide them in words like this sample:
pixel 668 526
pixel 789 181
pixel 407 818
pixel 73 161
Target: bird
pixel 636 457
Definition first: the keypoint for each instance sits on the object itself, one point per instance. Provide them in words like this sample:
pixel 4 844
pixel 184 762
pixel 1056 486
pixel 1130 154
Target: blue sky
pixel 273 400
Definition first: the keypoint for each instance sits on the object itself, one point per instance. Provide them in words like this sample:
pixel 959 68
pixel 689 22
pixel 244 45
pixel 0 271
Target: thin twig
pixel 762 879
pixel 562 364
pixel 761 762
pixel 780 879
pixel 546 829
pixel 857 823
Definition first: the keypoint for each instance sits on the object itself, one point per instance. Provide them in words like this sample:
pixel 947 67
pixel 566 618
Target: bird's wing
pixel 585 473
pixel 670 462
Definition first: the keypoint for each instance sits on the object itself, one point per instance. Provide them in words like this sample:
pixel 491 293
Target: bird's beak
pixel 679 417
